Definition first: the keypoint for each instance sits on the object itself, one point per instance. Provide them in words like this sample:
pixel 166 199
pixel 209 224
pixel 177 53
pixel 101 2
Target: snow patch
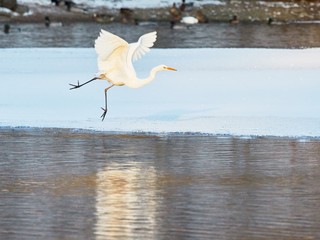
pixel 127 3
pixel 256 92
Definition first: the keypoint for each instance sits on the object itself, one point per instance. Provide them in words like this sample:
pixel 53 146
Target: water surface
pixel 63 184
pixel 210 35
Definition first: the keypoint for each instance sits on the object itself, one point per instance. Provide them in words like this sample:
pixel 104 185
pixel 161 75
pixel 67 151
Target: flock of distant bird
pixel 180 17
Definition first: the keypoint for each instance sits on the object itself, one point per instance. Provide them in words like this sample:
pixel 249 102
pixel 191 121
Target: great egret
pixel 115 58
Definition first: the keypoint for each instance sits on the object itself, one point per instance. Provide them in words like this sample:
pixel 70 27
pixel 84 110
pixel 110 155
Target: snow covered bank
pixel 127 3
pixel 217 91
pixel 158 10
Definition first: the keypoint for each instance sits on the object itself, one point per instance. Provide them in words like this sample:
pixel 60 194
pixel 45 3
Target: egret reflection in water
pixel 126 201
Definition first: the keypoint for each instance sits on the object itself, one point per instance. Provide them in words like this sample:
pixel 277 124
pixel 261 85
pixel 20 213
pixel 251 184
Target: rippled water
pixel 61 184
pixel 200 35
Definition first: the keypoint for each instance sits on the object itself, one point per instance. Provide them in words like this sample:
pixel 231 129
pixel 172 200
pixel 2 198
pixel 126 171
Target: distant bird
pixel 185 6
pixel 126 15
pixel 103 18
pixel 234 20
pixel 271 21
pixel 69 4
pixel 175 12
pixel 49 23
pixel 189 20
pixel 178 26
pixel 115 57
pixel 56 2
pixel 6 28
pixel 145 23
pixel 201 17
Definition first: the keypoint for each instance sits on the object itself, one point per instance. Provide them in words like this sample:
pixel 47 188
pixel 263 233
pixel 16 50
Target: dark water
pixel 200 35
pixel 60 184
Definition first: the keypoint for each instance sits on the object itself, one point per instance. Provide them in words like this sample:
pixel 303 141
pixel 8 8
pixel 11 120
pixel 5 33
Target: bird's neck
pixel 142 82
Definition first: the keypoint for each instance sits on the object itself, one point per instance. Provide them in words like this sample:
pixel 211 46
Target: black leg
pixel 105 109
pixel 80 85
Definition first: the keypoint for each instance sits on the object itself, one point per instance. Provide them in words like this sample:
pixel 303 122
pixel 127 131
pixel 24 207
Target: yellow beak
pixel 170 68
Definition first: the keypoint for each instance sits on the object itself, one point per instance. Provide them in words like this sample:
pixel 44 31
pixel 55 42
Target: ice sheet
pixel 217 91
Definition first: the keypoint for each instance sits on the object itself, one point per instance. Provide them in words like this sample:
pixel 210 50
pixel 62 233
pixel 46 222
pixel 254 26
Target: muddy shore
pixel 246 11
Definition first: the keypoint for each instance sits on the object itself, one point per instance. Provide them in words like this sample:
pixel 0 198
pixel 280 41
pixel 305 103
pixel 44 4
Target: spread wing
pixel 107 43
pixel 143 45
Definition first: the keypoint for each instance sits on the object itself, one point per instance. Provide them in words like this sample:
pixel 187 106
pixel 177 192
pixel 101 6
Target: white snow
pixel 279 4
pixel 127 3
pixel 217 91
pixel 7 11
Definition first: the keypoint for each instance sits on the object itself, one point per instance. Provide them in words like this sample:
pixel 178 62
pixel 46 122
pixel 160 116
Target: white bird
pixel 115 57
pixel 189 20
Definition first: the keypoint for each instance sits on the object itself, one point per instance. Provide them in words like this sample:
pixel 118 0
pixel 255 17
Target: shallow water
pixel 62 184
pixel 216 35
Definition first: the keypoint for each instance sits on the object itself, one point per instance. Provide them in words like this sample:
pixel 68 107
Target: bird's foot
pixel 104 113
pixel 74 86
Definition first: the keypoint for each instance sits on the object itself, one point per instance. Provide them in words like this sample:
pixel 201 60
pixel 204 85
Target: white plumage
pixel 189 20
pixel 115 57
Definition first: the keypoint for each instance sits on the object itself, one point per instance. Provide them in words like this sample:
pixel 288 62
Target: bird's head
pixel 161 68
